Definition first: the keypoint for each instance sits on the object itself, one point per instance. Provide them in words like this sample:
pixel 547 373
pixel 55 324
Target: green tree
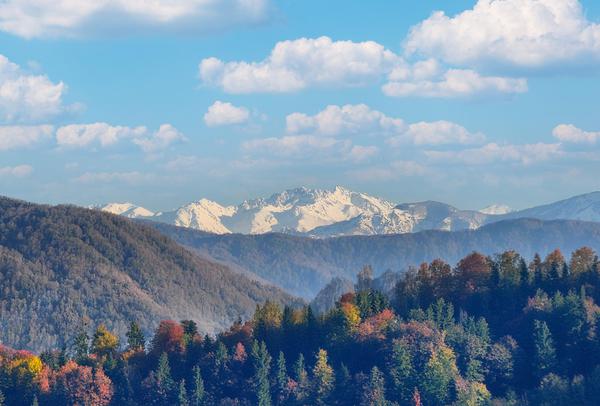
pixel 81 345
pixel 164 380
pixel 261 360
pixel 544 357
pixel 438 376
pixel 301 378
pixel 281 378
pixel 135 337
pixel 198 395
pixel 374 389
pixel 182 397
pixel 401 372
pixel 323 378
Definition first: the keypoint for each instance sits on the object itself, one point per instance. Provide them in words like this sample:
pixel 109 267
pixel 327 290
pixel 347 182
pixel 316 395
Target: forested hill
pixel 62 266
pixel 303 265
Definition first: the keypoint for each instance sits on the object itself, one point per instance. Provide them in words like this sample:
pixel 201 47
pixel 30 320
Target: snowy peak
pixel 496 209
pixel 339 212
pixel 125 209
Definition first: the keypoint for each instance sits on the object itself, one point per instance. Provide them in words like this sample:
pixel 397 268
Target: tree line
pixel 492 330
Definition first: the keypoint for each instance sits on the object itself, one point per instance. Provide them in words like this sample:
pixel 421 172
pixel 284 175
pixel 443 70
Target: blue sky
pixel 491 101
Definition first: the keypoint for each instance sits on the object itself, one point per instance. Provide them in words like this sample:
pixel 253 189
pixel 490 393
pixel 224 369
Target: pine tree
pixel 281 378
pixel 182 397
pixel 166 385
pixel 2 399
pixel 301 377
pixel 323 378
pixel 544 352
pixel 198 394
pixel 262 365
pixel 81 345
pixel 401 372
pixel 374 390
pixel 135 337
pixel 35 401
pixel 524 271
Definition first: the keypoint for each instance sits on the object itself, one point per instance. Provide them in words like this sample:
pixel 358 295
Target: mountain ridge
pixel 339 211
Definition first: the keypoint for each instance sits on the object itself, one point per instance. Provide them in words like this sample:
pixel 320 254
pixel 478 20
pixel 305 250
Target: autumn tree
pixel 104 343
pixel 323 378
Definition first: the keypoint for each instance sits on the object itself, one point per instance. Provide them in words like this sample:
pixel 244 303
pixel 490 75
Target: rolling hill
pixel 62 267
pixel 303 265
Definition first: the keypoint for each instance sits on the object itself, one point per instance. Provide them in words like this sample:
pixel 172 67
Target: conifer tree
pixel 261 361
pixel 401 372
pixel 182 397
pixel 165 382
pixel 544 352
pixel 323 378
pixel 198 395
pixel 135 337
pixel 281 378
pixel 301 377
pixel 81 345
pixel 374 390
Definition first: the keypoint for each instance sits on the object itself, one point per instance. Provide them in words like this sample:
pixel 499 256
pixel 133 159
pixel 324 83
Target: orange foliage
pixel 80 385
pixel 168 338
pixel 375 326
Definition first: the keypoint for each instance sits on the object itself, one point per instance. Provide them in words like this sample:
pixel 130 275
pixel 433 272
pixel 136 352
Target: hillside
pixel 63 266
pixel 305 265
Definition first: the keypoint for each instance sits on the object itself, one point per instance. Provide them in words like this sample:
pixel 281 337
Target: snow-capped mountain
pixel 339 212
pixel 496 209
pixel 125 209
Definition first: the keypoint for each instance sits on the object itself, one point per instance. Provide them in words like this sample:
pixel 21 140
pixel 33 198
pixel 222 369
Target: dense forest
pixel 63 266
pixel 303 266
pixel 492 330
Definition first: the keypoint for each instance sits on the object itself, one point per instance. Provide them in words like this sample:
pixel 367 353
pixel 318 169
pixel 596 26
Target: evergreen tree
pixel 182 397
pixel 374 390
pixel 401 372
pixel 323 379
pixel 301 378
pixel 198 395
pixel 35 401
pixel 135 337
pixel 281 378
pixel 164 380
pixel 524 272
pixel 261 361
pixel 544 360
pixel 81 346
pixel 2 398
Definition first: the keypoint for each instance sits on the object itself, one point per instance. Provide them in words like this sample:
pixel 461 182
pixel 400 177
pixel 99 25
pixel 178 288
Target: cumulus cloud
pixel 393 170
pixel 105 135
pixel 12 137
pixel 297 64
pixel 75 18
pixel 570 133
pixel 25 97
pixel 454 83
pixel 19 171
pixel 525 154
pixel 361 119
pixel 520 33
pixel 349 119
pixel 222 113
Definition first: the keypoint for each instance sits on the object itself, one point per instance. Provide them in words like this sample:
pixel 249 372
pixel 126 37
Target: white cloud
pixel 25 97
pixel 525 154
pixel 132 178
pixel 222 113
pixel 521 33
pixel 19 171
pixel 295 65
pixel 570 133
pixel 393 170
pixel 12 137
pixel 442 132
pixel 75 18
pixel 454 83
pixel 361 119
pixel 105 135
pixel 359 153
pixel 159 140
pixel 347 119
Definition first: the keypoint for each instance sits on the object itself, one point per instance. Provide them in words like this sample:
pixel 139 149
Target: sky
pixel 164 102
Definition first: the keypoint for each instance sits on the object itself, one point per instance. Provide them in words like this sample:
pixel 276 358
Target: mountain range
pixel 304 265
pixel 63 267
pixel 341 212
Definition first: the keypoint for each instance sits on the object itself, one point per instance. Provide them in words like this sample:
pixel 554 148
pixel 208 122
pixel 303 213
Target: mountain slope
pixel 62 266
pixel 304 265
pixel 583 207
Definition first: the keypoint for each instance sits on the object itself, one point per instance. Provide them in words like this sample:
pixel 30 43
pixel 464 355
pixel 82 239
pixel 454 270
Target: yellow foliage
pixel 104 342
pixel 25 367
pixel 352 315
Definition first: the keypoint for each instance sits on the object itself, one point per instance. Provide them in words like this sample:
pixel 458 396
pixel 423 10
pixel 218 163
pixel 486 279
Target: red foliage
pixel 348 298
pixel 240 353
pixel 473 272
pixel 168 338
pixel 375 326
pixel 80 385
